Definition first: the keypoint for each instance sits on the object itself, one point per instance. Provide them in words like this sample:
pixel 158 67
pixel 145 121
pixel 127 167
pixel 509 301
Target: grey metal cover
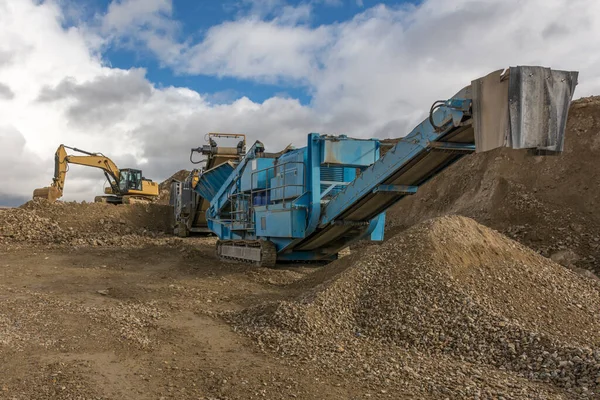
pixel 540 121
pixel 524 108
pixel 490 111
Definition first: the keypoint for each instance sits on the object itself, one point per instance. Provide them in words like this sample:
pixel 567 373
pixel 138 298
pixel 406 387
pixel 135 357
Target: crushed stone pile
pixel 447 309
pixel 165 186
pixel 548 203
pixel 79 224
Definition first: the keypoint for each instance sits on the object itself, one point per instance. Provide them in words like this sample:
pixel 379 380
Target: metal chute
pixel 523 108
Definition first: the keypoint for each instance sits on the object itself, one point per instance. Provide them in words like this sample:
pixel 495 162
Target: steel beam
pixel 396 189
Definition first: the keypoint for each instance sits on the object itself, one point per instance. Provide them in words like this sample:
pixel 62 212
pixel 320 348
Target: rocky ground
pixel 101 302
pixel 140 323
pixel 42 223
pixel 447 309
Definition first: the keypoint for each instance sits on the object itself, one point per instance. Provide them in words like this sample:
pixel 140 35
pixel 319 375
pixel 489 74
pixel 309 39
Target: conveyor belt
pixel 414 171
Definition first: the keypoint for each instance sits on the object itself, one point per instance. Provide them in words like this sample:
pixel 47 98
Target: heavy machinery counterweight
pixel 125 185
pixel 311 202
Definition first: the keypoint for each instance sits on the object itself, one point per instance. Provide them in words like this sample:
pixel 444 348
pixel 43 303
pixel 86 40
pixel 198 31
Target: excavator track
pixel 129 199
pixel 258 252
pixel 107 199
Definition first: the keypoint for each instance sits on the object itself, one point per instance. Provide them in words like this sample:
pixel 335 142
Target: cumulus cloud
pixel 105 99
pixel 255 49
pixel 397 58
pixel 5 92
pixel 5 57
pixel 374 75
pixel 15 165
pixel 123 15
pixel 131 23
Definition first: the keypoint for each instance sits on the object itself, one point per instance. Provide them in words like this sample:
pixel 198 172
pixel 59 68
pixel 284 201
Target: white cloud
pixel 272 9
pixel 64 94
pixel 389 64
pixel 375 75
pixel 135 24
pixel 256 49
pixel 6 92
pixel 123 15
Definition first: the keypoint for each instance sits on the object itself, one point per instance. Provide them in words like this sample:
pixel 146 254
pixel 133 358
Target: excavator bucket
pixel 49 193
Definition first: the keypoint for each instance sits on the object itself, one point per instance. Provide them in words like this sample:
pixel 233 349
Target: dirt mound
pixel 165 186
pixel 548 203
pixel 446 293
pixel 39 221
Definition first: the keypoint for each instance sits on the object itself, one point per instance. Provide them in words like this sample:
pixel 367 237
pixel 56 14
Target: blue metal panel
pixel 281 192
pixel 306 256
pixel 289 180
pixel 400 189
pixel 211 180
pixel 350 173
pixel 377 233
pixel 280 221
pixel 221 198
pixel 313 195
pixel 349 152
pixel 254 176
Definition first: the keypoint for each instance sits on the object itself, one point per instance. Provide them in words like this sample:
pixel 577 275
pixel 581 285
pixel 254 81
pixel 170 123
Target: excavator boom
pixel 144 188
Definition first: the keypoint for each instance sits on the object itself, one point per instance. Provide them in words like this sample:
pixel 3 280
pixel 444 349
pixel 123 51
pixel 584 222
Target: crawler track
pixel 259 252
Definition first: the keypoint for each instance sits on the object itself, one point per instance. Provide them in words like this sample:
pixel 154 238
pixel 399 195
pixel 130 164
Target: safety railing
pixel 268 190
pixel 331 185
pixel 241 213
pixel 241 216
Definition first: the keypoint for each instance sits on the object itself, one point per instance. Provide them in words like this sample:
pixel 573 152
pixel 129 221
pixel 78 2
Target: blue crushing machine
pixel 309 203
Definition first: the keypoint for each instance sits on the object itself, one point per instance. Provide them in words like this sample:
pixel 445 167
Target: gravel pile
pixel 94 217
pixel 447 295
pixel 86 224
pixel 18 225
pixel 547 203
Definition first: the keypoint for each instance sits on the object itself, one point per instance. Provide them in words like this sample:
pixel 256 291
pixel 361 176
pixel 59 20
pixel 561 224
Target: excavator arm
pixel 61 166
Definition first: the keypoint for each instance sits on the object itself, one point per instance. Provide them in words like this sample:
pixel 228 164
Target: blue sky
pixel 196 17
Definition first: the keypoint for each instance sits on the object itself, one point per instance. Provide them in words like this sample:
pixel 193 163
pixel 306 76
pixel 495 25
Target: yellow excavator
pixel 126 186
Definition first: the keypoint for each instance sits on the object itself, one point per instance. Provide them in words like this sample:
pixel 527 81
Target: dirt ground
pixel 101 302
pixel 111 323
pixel 170 321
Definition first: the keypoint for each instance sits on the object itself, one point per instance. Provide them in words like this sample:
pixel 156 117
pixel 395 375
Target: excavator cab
pixel 130 179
